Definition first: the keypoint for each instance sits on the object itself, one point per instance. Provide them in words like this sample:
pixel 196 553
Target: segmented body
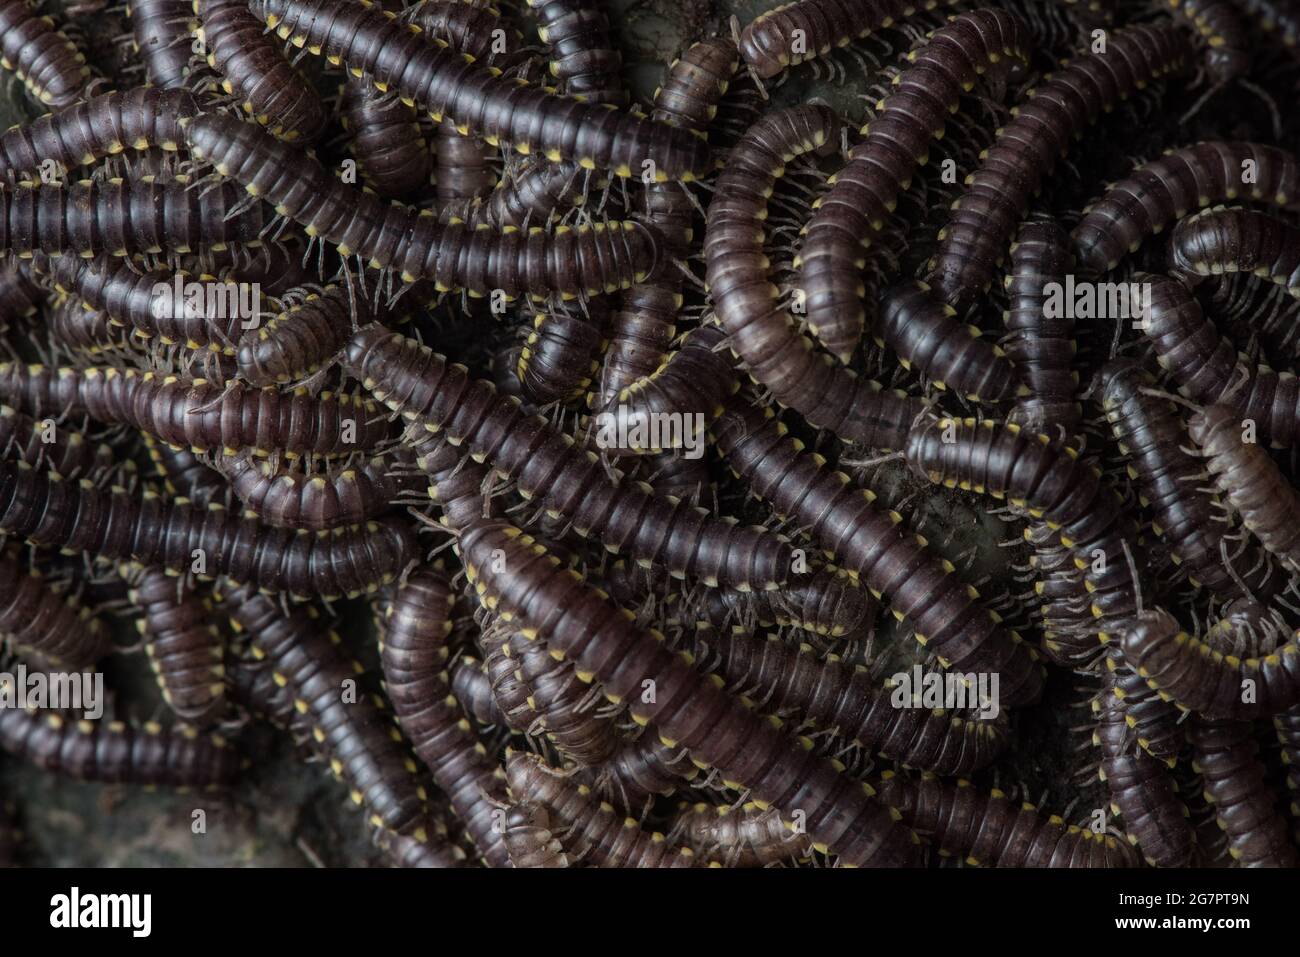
pixel 160 31
pixel 185 649
pixel 863 194
pixel 413 653
pixel 102 126
pixel 350 728
pixel 338 497
pixel 868 542
pixel 763 334
pixel 49 64
pixel 43 619
pixel 587 259
pixel 1219 25
pixel 122 216
pixel 1225 754
pixel 398 57
pixel 1040 345
pixel 838 697
pixel 1167 189
pixel 1141 790
pixel 255 72
pixel 117 752
pixel 198 413
pixel 1043 127
pixel 687 709
pixel 987 829
pixel 419 383
pixel 745 836
pixel 45 509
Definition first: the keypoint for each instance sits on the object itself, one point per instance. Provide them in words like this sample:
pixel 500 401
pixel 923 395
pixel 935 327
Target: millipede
pixel 835 696
pixel 199 414
pixel 896 142
pixel 337 497
pixel 380 775
pixel 988 829
pixel 1042 348
pixel 1054 113
pixel 687 709
pixel 46 509
pixel 185 649
pixel 760 332
pixel 786 460
pixel 413 653
pixel 421 385
pixel 867 541
pixel 50 66
pixel 371 41
pixel 104 125
pixel 588 259
pixel 119 752
pixel 161 35
pixel 1156 194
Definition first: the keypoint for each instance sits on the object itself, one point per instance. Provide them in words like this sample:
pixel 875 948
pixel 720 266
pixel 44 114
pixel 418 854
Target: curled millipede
pixel 118 752
pixel 368 40
pixel 868 542
pixel 185 649
pixel 413 653
pixel 569 262
pixel 687 709
pixel 418 383
pixel 1182 180
pixel 1054 113
pixel 850 216
pixel 987 829
pixel 255 72
pixel 763 334
pixel 48 63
